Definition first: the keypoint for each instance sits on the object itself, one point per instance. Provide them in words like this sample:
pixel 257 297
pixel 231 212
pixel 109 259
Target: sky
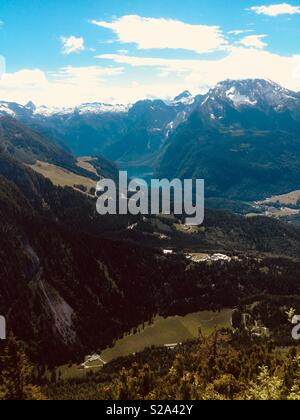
pixel 66 52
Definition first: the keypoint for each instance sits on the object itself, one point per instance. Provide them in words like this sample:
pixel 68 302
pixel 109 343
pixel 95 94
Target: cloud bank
pixel 276 9
pixel 149 33
pixel 255 41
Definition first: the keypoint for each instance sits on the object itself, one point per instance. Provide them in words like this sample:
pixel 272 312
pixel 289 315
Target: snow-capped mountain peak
pixel 253 92
pixel 185 98
pixel 6 110
pixel 86 108
pixel 98 108
pixel 31 106
pixel 237 98
pixel 263 95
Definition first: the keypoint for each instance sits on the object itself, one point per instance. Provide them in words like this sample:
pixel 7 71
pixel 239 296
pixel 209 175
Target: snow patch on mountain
pixel 239 99
pixel 87 108
pixel 98 108
pixel 185 98
pixel 5 110
pixel 46 111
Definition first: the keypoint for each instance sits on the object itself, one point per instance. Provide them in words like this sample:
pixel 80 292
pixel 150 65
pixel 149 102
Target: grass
pixel 84 163
pixel 169 331
pixel 285 199
pixel 62 177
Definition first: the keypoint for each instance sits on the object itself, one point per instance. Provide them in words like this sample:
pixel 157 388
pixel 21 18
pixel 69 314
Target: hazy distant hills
pixel 243 137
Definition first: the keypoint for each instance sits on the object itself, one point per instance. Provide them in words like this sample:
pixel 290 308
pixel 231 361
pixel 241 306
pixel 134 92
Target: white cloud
pixel 150 33
pixel 72 44
pixel 73 85
pixel 240 31
pixel 2 66
pixel 240 63
pixel 124 52
pixel 66 87
pixel 255 41
pixel 276 9
pixel 166 77
pixel 88 75
pixel 178 65
pixel 24 79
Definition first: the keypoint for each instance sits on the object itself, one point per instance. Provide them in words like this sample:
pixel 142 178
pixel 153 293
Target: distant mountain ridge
pixel 108 128
pixel 250 104
pixel 243 136
pixel 248 92
pixel 30 109
pixel 119 132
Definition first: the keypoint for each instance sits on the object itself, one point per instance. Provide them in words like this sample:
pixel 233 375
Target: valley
pixel 242 137
pixel 161 332
pixel 130 288
pixel 168 332
pixel 149 203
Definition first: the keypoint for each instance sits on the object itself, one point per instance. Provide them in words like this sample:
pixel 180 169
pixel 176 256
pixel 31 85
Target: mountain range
pixel 118 132
pixel 72 282
pixel 242 136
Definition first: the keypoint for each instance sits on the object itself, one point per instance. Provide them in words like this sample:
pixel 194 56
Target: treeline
pixel 223 366
pixel 219 367
pixel 16 373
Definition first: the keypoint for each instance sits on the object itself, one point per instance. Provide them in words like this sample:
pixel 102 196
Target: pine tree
pixel 267 387
pixel 16 373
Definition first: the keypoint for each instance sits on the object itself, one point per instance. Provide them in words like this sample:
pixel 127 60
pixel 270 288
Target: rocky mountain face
pixel 258 104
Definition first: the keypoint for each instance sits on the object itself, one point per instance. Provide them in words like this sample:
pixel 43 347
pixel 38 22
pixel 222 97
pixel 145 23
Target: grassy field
pixel 61 177
pixel 169 331
pixel 285 199
pixel 172 330
pixel 84 162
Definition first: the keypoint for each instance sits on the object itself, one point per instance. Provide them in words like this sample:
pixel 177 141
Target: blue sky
pixel 62 52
